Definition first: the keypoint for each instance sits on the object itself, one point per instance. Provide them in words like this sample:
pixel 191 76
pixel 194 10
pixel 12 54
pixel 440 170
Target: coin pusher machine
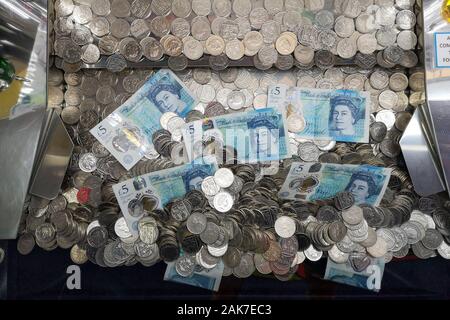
pixel 35 148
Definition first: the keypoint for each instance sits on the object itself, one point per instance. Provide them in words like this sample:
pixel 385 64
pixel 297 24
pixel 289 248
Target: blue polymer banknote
pixel 340 115
pixel 258 135
pixel 370 278
pixel 127 132
pixel 312 181
pixel 160 187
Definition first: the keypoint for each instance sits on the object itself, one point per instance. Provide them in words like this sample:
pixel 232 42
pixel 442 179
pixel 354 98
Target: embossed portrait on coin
pixel 362 186
pixel 167 97
pixel 344 114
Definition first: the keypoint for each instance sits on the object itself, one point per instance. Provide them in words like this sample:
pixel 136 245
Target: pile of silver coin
pixel 236 216
pixel 238 219
pixel 279 33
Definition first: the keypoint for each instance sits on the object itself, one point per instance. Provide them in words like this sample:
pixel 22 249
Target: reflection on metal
pixel 423 168
pixel 437 84
pixel 56 153
pixel 4 271
pixel 203 62
pixel 19 136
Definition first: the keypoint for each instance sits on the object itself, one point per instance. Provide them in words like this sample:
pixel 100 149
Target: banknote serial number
pixel 231 310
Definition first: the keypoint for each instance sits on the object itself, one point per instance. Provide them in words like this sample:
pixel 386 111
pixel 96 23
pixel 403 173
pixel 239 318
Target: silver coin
pixel 108 45
pixel 116 63
pixel 344 26
pixel 181 8
pixel 224 177
pixel 209 186
pixel 234 49
pixel 161 7
pixel 105 94
pixel 130 49
pixel 152 49
pixel 70 115
pixel 193 49
pixel 99 26
pixel 160 26
pixel 268 55
pixel 407 40
pixel 346 48
pixel 196 223
pixel 120 28
pixel 64 7
pixel 210 234
pixel 201 7
pixel 101 7
pixel 120 8
pixel 257 17
pixel 148 230
pixel 71 53
pixel 73 96
pixel 223 201
pixel 379 80
pixel 221 8
pixel 244 26
pixel 236 100
pixel 88 162
pixel 308 152
pixel 388 99
pixel 387 117
pixel 185 265
pixel 90 53
pixel 141 9
pixel 242 8
pixel 139 29
pixel 406 19
pixel 229 30
pixel 82 14
pixel 312 254
pixel 178 63
pixel 81 36
pixel 180 28
pixel 200 28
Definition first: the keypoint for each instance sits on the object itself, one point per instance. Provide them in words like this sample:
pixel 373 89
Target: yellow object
pixel 446 10
pixel 9 97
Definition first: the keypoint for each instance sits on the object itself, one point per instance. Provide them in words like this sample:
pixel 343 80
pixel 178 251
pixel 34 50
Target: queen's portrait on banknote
pixel 362 187
pixel 167 97
pixel 264 137
pixel 193 179
pixel 344 114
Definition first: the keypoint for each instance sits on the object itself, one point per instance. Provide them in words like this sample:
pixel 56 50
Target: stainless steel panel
pixel 19 134
pixel 423 168
pixel 437 84
pixel 54 160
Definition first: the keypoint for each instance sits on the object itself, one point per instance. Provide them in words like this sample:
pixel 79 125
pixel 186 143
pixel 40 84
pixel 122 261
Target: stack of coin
pixel 274 33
